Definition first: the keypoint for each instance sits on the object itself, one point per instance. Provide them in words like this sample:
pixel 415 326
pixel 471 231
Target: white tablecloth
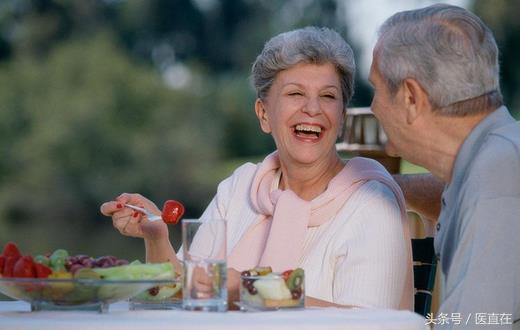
pixel 17 315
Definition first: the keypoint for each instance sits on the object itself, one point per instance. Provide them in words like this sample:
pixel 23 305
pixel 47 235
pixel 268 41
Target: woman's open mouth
pixel 307 131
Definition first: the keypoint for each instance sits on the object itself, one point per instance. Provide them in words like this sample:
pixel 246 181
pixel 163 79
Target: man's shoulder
pixel 495 170
pixel 510 130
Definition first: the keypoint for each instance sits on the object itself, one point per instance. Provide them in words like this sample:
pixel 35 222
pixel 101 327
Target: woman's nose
pixel 312 107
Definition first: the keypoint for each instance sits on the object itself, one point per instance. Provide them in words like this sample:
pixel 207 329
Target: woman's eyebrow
pixel 301 85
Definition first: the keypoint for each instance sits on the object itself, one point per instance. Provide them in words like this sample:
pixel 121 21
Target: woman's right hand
pixel 132 223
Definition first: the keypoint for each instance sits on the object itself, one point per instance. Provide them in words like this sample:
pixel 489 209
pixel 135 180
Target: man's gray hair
pixel 307 45
pixel 449 51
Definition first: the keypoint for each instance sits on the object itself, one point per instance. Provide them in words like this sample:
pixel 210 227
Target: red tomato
pixel 9 266
pixel 41 270
pixel 11 250
pixel 172 211
pixel 24 267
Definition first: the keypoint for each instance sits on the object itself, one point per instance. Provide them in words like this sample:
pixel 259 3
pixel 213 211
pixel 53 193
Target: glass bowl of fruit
pixel 74 293
pixel 262 289
pixel 61 282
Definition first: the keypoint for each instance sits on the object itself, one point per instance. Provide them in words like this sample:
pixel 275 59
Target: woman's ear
pixel 415 99
pixel 262 115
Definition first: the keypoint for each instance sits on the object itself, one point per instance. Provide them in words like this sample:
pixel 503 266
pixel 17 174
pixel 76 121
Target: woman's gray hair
pixel 307 45
pixel 449 51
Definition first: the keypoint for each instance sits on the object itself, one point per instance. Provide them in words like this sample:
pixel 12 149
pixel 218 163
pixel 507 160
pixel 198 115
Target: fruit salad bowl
pixel 74 293
pixel 263 290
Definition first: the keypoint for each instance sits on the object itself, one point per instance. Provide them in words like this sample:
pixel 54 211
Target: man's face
pixel 388 111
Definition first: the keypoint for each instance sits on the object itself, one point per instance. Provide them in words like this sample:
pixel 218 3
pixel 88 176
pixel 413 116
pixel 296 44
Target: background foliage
pixel 100 97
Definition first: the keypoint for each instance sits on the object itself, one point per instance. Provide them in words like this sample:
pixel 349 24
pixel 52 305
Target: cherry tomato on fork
pixel 172 211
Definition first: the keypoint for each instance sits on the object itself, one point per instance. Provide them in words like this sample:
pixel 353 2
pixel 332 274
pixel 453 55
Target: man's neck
pixel 447 136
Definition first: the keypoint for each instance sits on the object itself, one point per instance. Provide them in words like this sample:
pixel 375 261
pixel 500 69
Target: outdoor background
pixel 103 97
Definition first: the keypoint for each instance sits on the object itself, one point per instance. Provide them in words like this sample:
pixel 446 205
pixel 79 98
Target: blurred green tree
pixel 502 18
pixel 85 125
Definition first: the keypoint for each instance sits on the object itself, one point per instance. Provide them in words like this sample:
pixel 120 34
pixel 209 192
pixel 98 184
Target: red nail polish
pixel 119 206
pixel 136 214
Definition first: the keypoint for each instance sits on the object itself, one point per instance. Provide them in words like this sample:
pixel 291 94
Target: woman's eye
pixel 330 96
pixel 295 93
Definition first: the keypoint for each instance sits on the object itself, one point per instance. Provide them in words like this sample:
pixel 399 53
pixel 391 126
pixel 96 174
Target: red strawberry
pixel 24 267
pixel 11 250
pixel 9 266
pixel 172 211
pixel 42 271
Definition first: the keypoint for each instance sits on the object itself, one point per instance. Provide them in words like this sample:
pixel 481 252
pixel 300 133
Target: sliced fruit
pixel 286 274
pixel 272 288
pixel 11 250
pixel 172 211
pixel 24 267
pixel 254 300
pixel 263 270
pixel 60 275
pixel 86 273
pixel 42 271
pixel 2 263
pixel 57 259
pixel 44 260
pixel 160 292
pixel 295 279
pixel 58 289
pixel 9 266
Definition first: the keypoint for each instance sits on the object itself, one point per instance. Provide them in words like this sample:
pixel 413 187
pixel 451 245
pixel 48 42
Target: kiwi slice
pixel 295 280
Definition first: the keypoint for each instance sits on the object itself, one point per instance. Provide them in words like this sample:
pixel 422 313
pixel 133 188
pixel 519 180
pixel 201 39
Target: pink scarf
pixel 276 238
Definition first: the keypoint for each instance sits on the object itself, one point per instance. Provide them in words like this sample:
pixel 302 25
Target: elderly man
pixel 437 95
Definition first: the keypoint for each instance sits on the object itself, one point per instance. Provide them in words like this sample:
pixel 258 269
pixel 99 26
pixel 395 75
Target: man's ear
pixel 415 99
pixel 261 113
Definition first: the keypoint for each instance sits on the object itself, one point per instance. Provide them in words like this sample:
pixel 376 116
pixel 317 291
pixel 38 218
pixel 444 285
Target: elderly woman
pixel 342 221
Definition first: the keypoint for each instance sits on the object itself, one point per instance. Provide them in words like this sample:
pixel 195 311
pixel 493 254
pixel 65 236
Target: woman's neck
pixel 309 181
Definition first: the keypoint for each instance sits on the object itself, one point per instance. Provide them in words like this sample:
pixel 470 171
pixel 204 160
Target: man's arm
pixel 422 193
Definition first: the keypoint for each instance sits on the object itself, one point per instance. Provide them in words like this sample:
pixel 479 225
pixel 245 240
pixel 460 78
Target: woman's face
pixel 303 111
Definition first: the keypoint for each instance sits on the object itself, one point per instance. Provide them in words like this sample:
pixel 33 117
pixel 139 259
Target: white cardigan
pixel 357 258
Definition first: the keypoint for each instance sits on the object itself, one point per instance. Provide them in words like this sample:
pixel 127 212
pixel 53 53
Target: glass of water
pixel 204 259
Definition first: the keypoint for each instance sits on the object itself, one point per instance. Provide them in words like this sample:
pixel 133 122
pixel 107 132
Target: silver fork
pixel 149 215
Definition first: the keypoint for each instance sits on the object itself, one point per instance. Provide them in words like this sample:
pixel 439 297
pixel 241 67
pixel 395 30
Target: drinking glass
pixel 204 259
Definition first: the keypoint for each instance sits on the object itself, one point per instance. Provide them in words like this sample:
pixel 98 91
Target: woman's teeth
pixel 307 129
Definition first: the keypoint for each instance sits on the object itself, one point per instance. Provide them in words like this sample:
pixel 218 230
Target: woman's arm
pixel 422 193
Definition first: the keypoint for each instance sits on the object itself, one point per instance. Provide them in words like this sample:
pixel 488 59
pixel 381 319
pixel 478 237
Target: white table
pixel 17 315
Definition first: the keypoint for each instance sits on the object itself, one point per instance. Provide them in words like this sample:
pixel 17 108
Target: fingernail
pixel 119 206
pixel 136 214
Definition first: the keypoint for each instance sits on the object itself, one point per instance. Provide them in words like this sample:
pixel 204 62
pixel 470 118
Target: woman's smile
pixel 307 132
